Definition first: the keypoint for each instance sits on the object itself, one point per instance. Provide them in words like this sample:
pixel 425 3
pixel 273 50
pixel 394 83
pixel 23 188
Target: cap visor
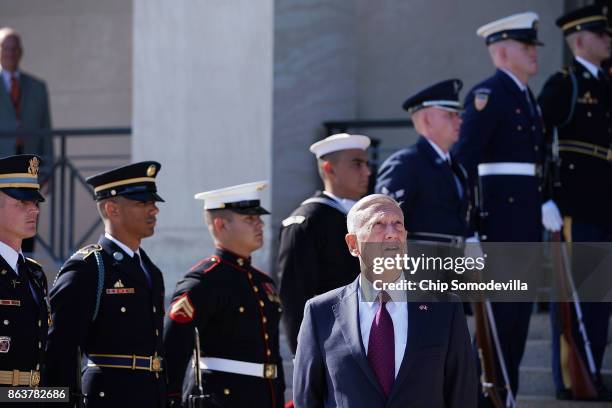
pixel 24 194
pixel 144 197
pixel 251 211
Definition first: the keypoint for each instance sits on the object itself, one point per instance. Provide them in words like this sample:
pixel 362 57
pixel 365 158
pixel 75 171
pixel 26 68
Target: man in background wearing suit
pixel 361 347
pixel 24 105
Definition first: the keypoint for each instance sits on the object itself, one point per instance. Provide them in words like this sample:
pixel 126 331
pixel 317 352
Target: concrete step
pixel 539 327
pixel 537 381
pixel 551 402
pixel 538 353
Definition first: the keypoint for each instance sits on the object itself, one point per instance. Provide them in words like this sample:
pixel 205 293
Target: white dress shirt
pixel 6 77
pixel 10 256
pixel 127 250
pixel 346 203
pixel 398 310
pixel 443 156
pixel 592 68
pixel 518 83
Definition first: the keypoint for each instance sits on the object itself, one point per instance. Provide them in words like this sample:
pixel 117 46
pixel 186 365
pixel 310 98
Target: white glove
pixel 473 249
pixel 551 216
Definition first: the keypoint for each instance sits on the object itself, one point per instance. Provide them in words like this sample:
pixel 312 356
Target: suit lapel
pixel 123 262
pixel 347 315
pixel 418 321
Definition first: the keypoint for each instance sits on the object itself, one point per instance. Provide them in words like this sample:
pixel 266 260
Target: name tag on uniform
pixel 119 291
pixel 10 302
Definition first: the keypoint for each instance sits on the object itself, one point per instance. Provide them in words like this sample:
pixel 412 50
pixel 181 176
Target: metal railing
pixel 343 126
pixel 60 185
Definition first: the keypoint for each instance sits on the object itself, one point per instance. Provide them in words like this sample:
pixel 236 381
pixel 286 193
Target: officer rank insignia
pixel 481 98
pixel 587 99
pixel 33 168
pixel 182 310
pixel 5 344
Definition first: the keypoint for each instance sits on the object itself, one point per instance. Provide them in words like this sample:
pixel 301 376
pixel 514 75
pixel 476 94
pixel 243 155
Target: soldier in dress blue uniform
pixel 429 184
pixel 577 101
pixel 235 308
pixel 24 311
pixel 312 256
pixel 108 301
pixel 502 147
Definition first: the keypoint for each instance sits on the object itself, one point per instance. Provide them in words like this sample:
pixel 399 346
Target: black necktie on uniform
pixel 528 97
pixel 455 177
pixel 23 283
pixel 146 274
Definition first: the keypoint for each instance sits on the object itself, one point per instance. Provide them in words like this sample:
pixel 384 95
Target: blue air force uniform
pixel 432 190
pixel 577 101
pixel 502 146
pixel 24 310
pixel 108 302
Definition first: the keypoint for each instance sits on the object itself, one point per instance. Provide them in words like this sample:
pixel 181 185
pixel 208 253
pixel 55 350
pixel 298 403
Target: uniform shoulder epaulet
pixel 206 264
pixel 567 70
pixel 34 261
pixel 88 250
pixel 294 219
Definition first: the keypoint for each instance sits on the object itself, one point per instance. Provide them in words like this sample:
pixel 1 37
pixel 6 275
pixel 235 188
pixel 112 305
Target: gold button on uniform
pixel 263 319
pixel 241 309
pixel 240 261
pixel 123 309
pixel 156 332
pixel 154 309
pixel 268 352
pixel 266 336
pixel 250 275
pixel 101 393
pixel 226 391
pixel 40 323
pixel 255 289
pixel 261 303
pixel 39 344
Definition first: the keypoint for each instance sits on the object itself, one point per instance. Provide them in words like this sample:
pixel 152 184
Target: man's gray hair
pixel 356 217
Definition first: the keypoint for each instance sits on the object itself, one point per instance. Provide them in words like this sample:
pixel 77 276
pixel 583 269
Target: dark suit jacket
pixel 332 370
pixel 35 114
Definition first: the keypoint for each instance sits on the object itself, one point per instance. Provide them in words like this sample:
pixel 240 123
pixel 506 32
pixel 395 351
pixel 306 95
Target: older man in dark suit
pixel 363 347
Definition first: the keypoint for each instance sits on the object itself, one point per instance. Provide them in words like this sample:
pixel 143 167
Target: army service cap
pixel 590 18
pixel 134 181
pixel 19 177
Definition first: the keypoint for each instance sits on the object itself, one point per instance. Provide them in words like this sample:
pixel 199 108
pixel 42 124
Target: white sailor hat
pixel 521 27
pixel 243 198
pixel 339 141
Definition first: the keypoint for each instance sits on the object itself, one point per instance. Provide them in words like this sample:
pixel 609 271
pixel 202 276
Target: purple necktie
pixel 381 345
